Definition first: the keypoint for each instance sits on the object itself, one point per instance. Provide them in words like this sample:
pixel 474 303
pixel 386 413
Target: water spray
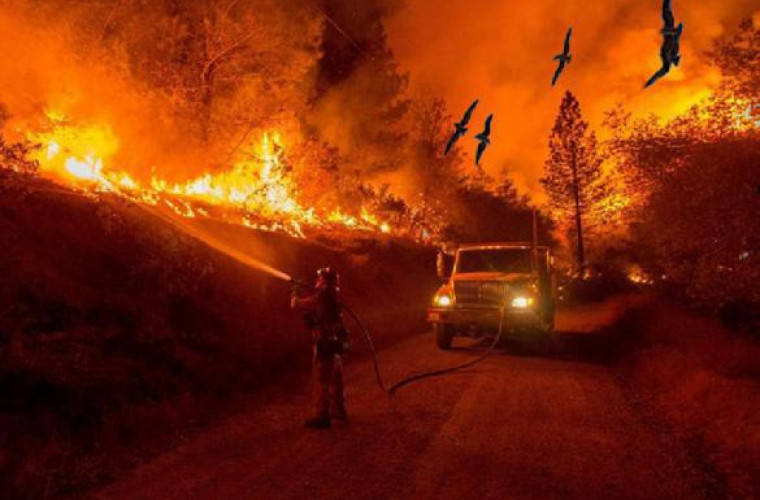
pixel 214 243
pixel 249 261
pixel 295 283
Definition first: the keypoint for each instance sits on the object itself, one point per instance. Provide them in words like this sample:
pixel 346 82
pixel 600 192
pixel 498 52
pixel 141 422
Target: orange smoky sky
pixel 501 52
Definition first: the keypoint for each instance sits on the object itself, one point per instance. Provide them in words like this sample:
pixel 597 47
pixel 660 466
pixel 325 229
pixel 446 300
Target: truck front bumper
pixel 483 319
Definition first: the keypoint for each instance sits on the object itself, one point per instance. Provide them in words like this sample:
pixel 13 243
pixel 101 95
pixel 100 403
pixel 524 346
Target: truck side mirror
pixel 440 266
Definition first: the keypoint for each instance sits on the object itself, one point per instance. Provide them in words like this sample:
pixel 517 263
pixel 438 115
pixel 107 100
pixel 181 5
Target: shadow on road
pixel 598 347
pixel 588 333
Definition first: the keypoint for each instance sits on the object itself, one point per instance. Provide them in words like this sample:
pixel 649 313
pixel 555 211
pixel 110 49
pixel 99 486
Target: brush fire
pixel 256 188
pixel 204 202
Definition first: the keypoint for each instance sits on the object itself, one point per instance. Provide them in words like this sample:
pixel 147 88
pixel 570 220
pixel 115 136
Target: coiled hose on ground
pixel 421 375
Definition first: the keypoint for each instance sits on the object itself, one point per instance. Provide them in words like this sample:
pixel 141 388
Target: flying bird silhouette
pixel 564 58
pixel 671 43
pixel 461 127
pixel 483 139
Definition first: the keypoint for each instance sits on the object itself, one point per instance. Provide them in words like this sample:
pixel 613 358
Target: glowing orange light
pixel 258 185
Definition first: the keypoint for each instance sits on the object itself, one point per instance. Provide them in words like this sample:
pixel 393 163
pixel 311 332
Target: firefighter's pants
pixel 328 385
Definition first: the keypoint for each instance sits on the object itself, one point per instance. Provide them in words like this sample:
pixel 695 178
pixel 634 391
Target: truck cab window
pixel 498 260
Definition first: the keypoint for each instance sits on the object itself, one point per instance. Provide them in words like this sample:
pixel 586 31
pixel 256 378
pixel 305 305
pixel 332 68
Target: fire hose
pixel 443 371
pixel 417 376
pixel 212 242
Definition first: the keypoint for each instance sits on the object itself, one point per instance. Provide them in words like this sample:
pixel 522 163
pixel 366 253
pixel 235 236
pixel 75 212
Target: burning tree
pixel 432 177
pixel 738 58
pixel 360 104
pixel 15 156
pixel 573 174
pixel 695 182
pixel 209 108
pixel 276 114
pixel 695 206
pixel 226 67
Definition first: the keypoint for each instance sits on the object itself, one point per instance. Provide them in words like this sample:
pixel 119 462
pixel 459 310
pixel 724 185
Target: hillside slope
pixel 116 328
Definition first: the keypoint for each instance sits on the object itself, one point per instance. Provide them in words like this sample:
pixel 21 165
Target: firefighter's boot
pixel 320 422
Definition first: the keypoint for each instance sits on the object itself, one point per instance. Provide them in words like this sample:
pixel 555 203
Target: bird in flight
pixel 671 43
pixel 564 58
pixel 483 139
pixel 461 127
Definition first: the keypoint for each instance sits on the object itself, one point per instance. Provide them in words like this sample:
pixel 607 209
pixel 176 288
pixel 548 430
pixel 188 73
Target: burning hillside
pixel 269 114
pixel 256 191
pixel 203 111
pixel 173 172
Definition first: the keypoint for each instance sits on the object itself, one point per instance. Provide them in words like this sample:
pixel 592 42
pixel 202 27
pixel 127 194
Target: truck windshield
pixel 496 260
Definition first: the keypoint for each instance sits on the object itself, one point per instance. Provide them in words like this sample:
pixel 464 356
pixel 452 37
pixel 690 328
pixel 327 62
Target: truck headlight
pixel 522 302
pixel 443 300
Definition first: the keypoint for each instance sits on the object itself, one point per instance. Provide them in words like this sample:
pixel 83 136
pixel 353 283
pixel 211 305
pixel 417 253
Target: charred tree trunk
pixel 206 98
pixel 578 222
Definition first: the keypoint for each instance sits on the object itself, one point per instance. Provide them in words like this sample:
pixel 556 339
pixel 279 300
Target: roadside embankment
pixel 117 331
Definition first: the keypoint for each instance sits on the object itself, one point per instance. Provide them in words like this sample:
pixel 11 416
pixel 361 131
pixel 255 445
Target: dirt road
pixel 515 426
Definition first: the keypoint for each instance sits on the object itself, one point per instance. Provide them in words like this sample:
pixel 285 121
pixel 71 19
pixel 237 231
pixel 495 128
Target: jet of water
pixel 214 243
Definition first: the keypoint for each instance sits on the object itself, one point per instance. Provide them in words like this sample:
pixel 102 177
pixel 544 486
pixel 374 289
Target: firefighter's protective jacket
pixel 324 319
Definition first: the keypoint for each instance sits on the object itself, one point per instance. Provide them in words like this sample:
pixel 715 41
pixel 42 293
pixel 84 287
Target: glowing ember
pixel 74 153
pixel 639 277
pixel 257 185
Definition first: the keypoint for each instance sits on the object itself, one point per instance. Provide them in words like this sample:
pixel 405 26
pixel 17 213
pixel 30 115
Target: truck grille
pixel 480 293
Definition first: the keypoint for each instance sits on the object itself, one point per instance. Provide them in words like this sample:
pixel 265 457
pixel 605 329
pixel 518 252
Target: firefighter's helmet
pixel 328 276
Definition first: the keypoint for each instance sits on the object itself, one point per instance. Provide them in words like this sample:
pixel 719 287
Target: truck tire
pixel 443 336
pixel 548 341
pixel 548 324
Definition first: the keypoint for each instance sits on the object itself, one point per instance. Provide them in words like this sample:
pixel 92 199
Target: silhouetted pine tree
pixel 573 173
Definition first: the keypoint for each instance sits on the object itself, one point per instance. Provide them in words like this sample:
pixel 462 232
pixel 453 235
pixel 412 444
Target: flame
pixel 258 187
pixel 74 152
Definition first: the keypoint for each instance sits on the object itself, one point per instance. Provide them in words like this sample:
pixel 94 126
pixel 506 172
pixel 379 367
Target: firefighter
pixel 324 319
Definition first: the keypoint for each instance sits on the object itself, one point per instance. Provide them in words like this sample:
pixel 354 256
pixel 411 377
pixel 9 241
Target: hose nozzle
pixel 296 284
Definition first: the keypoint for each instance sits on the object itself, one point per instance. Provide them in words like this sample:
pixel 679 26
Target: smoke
pixel 326 64
pixel 182 87
pixel 360 105
pixel 501 53
pixel 49 67
pixel 210 240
